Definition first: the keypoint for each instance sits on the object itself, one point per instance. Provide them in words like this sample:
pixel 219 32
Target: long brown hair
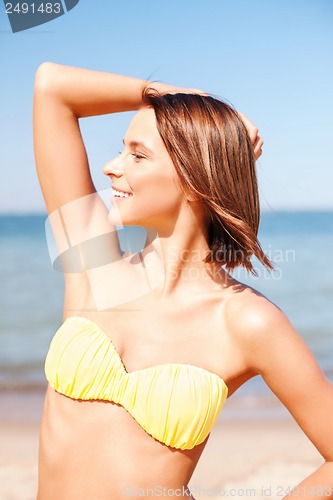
pixel 213 156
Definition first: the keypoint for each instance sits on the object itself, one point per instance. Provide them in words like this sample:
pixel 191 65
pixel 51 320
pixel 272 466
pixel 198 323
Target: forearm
pixel 88 92
pixel 317 485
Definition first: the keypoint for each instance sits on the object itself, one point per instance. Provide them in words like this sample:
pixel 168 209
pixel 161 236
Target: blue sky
pixel 272 59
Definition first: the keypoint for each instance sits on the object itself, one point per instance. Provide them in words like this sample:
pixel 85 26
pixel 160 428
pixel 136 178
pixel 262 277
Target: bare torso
pixel 95 449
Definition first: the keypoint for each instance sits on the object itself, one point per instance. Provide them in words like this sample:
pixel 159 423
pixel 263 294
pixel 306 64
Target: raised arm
pixel 62 95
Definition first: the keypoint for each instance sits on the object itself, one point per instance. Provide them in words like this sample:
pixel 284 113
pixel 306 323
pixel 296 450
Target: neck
pixel 175 262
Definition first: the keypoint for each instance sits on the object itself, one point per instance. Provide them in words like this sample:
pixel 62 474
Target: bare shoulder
pixel 258 326
pixel 248 313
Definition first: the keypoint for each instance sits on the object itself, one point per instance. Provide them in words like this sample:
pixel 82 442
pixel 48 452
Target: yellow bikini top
pixel 175 403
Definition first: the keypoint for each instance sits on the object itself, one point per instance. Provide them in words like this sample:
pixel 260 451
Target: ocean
pixel 300 244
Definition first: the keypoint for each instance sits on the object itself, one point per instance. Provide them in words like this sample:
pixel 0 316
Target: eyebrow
pixel 133 144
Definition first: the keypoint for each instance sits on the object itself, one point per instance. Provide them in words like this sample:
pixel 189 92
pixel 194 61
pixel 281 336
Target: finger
pixel 258 153
pixel 258 148
pixel 253 133
pixel 252 130
pixel 258 143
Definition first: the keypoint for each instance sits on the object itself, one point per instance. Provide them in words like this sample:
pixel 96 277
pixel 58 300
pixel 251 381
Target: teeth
pixel 121 194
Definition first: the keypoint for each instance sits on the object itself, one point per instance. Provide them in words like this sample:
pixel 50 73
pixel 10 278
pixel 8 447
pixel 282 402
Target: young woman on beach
pixel 154 341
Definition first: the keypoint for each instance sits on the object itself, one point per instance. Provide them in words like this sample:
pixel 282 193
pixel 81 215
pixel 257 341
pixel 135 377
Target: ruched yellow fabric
pixel 175 403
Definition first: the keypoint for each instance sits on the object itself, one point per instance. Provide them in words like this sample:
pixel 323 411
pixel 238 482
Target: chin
pixel 115 218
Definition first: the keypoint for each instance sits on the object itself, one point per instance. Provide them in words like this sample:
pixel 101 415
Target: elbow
pixel 46 77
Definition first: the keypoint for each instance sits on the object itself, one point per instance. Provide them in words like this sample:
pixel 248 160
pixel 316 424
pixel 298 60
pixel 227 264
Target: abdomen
pixel 95 449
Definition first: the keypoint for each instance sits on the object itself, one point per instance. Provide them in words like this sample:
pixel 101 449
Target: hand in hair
pixel 251 128
pixel 254 135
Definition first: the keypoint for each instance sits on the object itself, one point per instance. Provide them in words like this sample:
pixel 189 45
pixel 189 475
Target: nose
pixel 114 167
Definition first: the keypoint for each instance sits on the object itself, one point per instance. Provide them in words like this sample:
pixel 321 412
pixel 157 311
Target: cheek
pixel 163 193
pixel 158 185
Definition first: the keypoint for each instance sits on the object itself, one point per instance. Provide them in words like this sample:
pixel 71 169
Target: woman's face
pixel 144 170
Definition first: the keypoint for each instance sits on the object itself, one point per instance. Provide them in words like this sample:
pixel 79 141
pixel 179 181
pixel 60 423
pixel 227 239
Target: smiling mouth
pixel 121 194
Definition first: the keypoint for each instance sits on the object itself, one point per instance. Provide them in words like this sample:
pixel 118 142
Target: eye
pixel 138 156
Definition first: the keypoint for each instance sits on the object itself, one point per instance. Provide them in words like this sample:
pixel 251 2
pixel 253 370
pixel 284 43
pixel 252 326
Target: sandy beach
pixel 247 455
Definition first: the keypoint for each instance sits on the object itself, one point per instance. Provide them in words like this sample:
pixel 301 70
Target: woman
pixel 154 341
